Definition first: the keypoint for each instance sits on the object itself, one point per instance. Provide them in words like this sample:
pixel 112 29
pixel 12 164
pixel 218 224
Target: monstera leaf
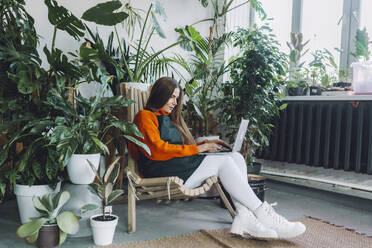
pixel 103 13
pixel 62 19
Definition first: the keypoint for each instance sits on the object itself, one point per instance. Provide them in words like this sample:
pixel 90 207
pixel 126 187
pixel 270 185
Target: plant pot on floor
pixel 254 168
pixel 24 194
pixel 257 183
pixel 79 170
pixel 103 230
pixel 48 236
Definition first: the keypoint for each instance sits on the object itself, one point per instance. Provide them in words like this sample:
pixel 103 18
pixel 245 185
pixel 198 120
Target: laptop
pixel 238 141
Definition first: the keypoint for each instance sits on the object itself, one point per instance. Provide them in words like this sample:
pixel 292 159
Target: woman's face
pixel 172 102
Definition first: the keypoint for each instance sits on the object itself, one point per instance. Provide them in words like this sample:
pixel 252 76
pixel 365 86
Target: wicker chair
pixel 160 188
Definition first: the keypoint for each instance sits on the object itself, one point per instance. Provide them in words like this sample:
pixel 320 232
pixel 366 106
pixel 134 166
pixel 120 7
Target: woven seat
pixel 159 188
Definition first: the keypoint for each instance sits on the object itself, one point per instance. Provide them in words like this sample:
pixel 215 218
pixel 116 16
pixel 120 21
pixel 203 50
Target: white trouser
pixel 232 171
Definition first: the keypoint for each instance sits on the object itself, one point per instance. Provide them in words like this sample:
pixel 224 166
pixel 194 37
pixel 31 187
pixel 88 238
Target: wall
pixel 179 13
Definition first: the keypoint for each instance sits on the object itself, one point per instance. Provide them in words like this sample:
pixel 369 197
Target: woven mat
pixel 319 234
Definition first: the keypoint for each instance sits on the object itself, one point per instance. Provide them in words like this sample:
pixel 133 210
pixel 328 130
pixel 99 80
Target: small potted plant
pixel 52 227
pixel 104 224
pixel 322 71
pixel 296 84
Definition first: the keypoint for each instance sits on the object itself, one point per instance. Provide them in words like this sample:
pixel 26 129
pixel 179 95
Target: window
pixel 366 17
pixel 236 18
pixel 321 24
pixel 281 12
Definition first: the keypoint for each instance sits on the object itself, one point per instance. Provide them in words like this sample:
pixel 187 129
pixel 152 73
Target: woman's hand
pixel 215 141
pixel 208 147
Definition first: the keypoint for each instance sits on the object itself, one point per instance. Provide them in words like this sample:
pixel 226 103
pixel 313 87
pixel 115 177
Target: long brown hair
pixel 161 92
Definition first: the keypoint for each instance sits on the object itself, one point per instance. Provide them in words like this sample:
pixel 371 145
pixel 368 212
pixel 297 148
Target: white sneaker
pixel 245 223
pixel 270 219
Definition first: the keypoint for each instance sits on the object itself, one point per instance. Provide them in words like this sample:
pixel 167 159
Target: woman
pixel 174 153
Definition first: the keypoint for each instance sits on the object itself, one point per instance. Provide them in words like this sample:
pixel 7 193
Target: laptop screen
pixel 240 135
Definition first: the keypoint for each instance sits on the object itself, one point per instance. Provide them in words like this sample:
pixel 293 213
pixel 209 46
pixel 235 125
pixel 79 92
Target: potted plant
pixel 322 71
pixel 254 89
pixel 296 85
pixel 28 163
pixel 104 224
pixel 343 79
pixel 79 131
pixel 52 227
pixel 37 170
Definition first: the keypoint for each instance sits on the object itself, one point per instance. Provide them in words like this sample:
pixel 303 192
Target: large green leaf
pixel 39 205
pixel 60 17
pixel 62 237
pixel 115 194
pixel 88 207
pixel 112 172
pixel 157 27
pixel 68 222
pixel 94 170
pixel 32 238
pixel 108 190
pixel 139 143
pixel 30 228
pixel 59 200
pixel 104 14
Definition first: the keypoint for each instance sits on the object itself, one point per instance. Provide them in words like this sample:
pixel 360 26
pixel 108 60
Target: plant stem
pixel 54 38
pixel 140 40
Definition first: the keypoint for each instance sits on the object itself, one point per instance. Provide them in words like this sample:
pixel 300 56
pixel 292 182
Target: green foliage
pixel 323 68
pixel 62 19
pixel 50 209
pixel 82 129
pixel 94 52
pixel 104 187
pixel 296 70
pixel 23 89
pixel 361 45
pixel 205 73
pixel 254 91
pixel 104 14
pixel 143 64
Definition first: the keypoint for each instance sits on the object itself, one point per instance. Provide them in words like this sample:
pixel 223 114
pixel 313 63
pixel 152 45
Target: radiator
pixel 334 135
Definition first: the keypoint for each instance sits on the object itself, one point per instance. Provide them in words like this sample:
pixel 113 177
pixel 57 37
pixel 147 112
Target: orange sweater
pixel 148 125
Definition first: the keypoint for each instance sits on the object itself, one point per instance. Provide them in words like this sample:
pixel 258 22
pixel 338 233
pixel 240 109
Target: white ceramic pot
pixel 103 231
pixel 79 170
pixel 24 194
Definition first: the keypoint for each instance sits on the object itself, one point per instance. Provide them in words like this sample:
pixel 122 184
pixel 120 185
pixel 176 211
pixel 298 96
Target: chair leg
pixel 225 200
pixel 131 211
